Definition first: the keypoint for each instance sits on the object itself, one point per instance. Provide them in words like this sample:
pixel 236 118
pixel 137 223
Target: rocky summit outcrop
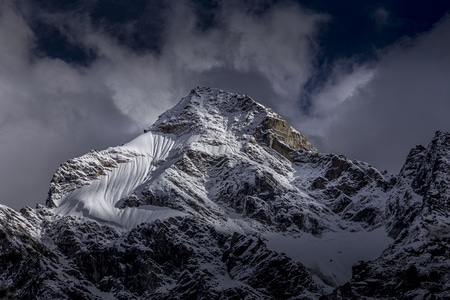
pixel 222 199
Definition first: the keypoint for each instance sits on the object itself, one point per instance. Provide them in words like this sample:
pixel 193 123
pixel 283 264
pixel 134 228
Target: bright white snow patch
pixel 98 200
pixel 331 256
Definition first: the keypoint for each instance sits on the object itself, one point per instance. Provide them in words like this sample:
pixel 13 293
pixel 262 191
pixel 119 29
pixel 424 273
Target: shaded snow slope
pixel 332 255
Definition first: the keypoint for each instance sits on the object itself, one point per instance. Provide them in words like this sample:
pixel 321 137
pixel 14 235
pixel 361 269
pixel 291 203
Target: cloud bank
pixel 379 112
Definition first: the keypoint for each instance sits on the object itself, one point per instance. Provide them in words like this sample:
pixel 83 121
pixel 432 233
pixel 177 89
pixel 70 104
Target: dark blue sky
pixel 367 79
pixel 352 30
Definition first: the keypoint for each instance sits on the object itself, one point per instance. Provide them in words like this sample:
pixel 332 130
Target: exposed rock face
pixel 431 176
pixel 281 137
pixel 222 199
pixel 416 265
pixel 31 267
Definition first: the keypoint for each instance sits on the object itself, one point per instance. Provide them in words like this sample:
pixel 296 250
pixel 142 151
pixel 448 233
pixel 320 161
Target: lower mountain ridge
pixel 222 199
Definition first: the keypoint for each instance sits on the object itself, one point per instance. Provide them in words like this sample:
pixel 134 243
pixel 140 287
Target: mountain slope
pixel 222 199
pixel 417 264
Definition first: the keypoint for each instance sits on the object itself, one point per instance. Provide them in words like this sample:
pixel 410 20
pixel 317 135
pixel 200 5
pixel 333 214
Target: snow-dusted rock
pixel 222 199
pixel 417 264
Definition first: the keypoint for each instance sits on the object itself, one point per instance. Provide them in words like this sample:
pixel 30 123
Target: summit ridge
pixel 214 112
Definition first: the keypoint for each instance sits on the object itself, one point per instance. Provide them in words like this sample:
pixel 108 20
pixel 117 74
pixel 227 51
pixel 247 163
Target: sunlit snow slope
pixel 98 199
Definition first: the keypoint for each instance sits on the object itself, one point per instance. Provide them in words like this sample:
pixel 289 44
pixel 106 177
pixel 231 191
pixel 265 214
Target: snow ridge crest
pixel 214 112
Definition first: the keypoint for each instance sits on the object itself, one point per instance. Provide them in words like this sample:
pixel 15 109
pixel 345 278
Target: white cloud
pixel 340 89
pixel 276 46
pixel 49 111
pixel 400 105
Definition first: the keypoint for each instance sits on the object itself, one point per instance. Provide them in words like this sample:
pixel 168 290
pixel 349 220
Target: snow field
pixel 332 255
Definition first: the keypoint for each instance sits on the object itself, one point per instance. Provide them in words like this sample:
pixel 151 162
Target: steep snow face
pixel 99 198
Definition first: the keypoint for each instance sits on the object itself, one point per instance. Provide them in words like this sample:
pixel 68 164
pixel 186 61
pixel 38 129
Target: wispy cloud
pixel 397 103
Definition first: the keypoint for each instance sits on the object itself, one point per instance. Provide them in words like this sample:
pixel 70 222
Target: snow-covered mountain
pixel 222 199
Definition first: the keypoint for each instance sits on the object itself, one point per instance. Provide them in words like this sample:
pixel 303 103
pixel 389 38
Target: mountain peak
pixel 207 123
pixel 214 113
